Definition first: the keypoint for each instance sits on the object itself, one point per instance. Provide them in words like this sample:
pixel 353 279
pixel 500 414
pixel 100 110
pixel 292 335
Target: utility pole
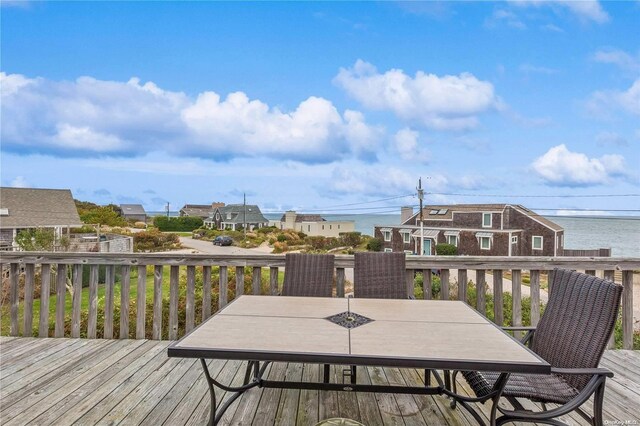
pixel 167 209
pixel 420 197
pixel 244 225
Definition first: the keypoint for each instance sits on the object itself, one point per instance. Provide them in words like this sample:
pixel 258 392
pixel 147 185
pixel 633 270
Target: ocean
pixel 621 234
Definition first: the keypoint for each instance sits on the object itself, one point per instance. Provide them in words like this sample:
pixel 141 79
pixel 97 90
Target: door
pixel 426 246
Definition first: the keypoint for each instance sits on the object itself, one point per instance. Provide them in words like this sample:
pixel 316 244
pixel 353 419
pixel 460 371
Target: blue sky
pixel 315 105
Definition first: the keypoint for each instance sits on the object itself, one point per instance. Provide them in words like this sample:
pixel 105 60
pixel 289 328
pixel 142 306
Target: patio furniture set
pixel 555 364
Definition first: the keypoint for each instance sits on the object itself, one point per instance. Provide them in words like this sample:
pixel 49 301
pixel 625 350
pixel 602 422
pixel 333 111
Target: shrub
pixel 281 238
pixel 375 244
pixel 446 249
pixel 36 239
pixel 177 224
pixel 139 225
pixel 106 215
pixel 155 241
pixel 267 230
pixel 351 239
pixel 279 247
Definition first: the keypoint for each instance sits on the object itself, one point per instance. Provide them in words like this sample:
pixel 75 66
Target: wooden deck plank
pixel 236 381
pixel 65 381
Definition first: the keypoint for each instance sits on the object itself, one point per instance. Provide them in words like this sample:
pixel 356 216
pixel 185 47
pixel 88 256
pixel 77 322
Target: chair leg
pixel 326 373
pixel 353 374
pixel 454 388
pixel 427 377
pixel 598 401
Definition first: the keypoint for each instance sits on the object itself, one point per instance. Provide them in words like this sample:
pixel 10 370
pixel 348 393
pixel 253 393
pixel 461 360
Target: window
pixel 485 243
pixel 387 235
pixel 453 240
pixel 308 227
pixel 408 252
pixel 338 226
pixel 322 226
pixel 537 242
pixel 514 239
pixel 329 226
pixel 486 220
pixel 388 250
pixel 406 238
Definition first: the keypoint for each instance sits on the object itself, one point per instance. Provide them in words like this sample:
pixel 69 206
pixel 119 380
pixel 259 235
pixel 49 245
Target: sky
pixel 334 107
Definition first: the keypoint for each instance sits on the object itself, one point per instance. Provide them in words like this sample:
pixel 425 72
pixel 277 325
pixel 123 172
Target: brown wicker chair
pixel 571 336
pixel 379 276
pixel 308 275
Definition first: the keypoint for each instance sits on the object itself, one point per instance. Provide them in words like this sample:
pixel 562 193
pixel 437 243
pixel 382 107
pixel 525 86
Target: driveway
pixel 208 247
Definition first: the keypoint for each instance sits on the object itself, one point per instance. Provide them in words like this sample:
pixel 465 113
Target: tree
pixel 375 244
pixel 103 215
pixel 36 239
pixel 446 249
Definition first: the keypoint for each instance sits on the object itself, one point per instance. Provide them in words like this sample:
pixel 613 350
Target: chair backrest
pixel 379 275
pixel 577 322
pixel 308 275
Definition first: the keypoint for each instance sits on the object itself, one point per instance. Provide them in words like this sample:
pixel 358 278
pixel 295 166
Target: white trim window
pixel 406 237
pixel 536 242
pixel 388 250
pixel 486 220
pixel 514 239
pixel 453 240
pixel 386 235
pixel 485 243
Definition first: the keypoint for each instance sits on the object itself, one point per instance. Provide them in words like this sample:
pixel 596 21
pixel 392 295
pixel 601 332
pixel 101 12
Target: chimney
pixel 405 213
pixel 290 219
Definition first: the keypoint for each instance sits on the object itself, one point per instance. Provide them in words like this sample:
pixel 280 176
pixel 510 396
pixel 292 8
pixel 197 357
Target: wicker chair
pixel 308 275
pixel 379 276
pixel 571 336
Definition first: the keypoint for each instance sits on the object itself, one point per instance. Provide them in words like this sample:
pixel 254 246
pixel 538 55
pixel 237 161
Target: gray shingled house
pixel 203 211
pixel 476 229
pixel 232 217
pixel 23 208
pixel 134 212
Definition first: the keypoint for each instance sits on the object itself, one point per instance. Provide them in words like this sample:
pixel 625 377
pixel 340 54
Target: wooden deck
pixel 45 381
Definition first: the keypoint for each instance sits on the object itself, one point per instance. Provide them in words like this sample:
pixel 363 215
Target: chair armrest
pixel 520 328
pixel 582 371
pixel 412 297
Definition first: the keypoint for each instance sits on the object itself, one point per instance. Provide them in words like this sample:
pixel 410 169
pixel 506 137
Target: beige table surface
pixel 401 330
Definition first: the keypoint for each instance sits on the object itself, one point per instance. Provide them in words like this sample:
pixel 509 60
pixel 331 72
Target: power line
pixel 370 202
pixel 537 196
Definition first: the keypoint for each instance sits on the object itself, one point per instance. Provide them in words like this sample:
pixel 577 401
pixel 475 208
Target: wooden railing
pixel 488 270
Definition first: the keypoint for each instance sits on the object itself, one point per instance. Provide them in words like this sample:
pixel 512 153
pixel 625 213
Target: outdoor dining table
pixel 425 334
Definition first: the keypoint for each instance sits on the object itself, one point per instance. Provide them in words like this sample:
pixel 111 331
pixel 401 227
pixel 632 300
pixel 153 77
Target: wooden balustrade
pixel 485 273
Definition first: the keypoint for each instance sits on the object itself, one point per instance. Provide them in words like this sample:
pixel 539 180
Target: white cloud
pixel 602 102
pixel 445 103
pixel 618 57
pixel 89 117
pixel 587 10
pixel 561 167
pixel 533 69
pixel 19 182
pixel 406 143
pixel 506 16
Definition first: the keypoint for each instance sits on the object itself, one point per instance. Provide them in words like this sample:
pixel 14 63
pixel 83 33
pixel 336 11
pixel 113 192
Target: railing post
pixel 141 302
pixel 444 284
pixel 109 284
pixel 76 275
pixel 516 301
pixel 157 303
pixel 481 290
pixel 427 284
pixel 627 310
pixel 206 292
pixel 273 280
pixel 462 285
pixel 408 280
pixel 174 281
pixel 61 294
pixel 611 276
pixel 125 295
pixel 534 287
pixel 191 298
pixel 92 322
pixel 29 284
pixel 14 271
pixel 498 308
pixel 45 290
pixel 256 280
pixel 223 288
pixel 239 281
pixel 340 282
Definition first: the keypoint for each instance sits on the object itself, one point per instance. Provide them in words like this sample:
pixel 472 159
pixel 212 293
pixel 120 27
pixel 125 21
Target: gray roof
pixel 202 210
pixel 254 215
pixel 305 218
pixel 132 209
pixel 32 208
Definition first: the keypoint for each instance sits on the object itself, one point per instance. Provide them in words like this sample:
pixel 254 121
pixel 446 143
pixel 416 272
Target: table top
pixel 377 332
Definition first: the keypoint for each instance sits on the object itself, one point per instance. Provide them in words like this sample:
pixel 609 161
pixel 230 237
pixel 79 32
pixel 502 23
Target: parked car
pixel 222 240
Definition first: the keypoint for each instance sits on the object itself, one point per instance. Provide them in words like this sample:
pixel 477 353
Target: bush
pixel 36 239
pixel 267 230
pixel 351 239
pixel 375 244
pixel 155 241
pixel 106 215
pixel 139 225
pixel 446 249
pixel 281 238
pixel 177 224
